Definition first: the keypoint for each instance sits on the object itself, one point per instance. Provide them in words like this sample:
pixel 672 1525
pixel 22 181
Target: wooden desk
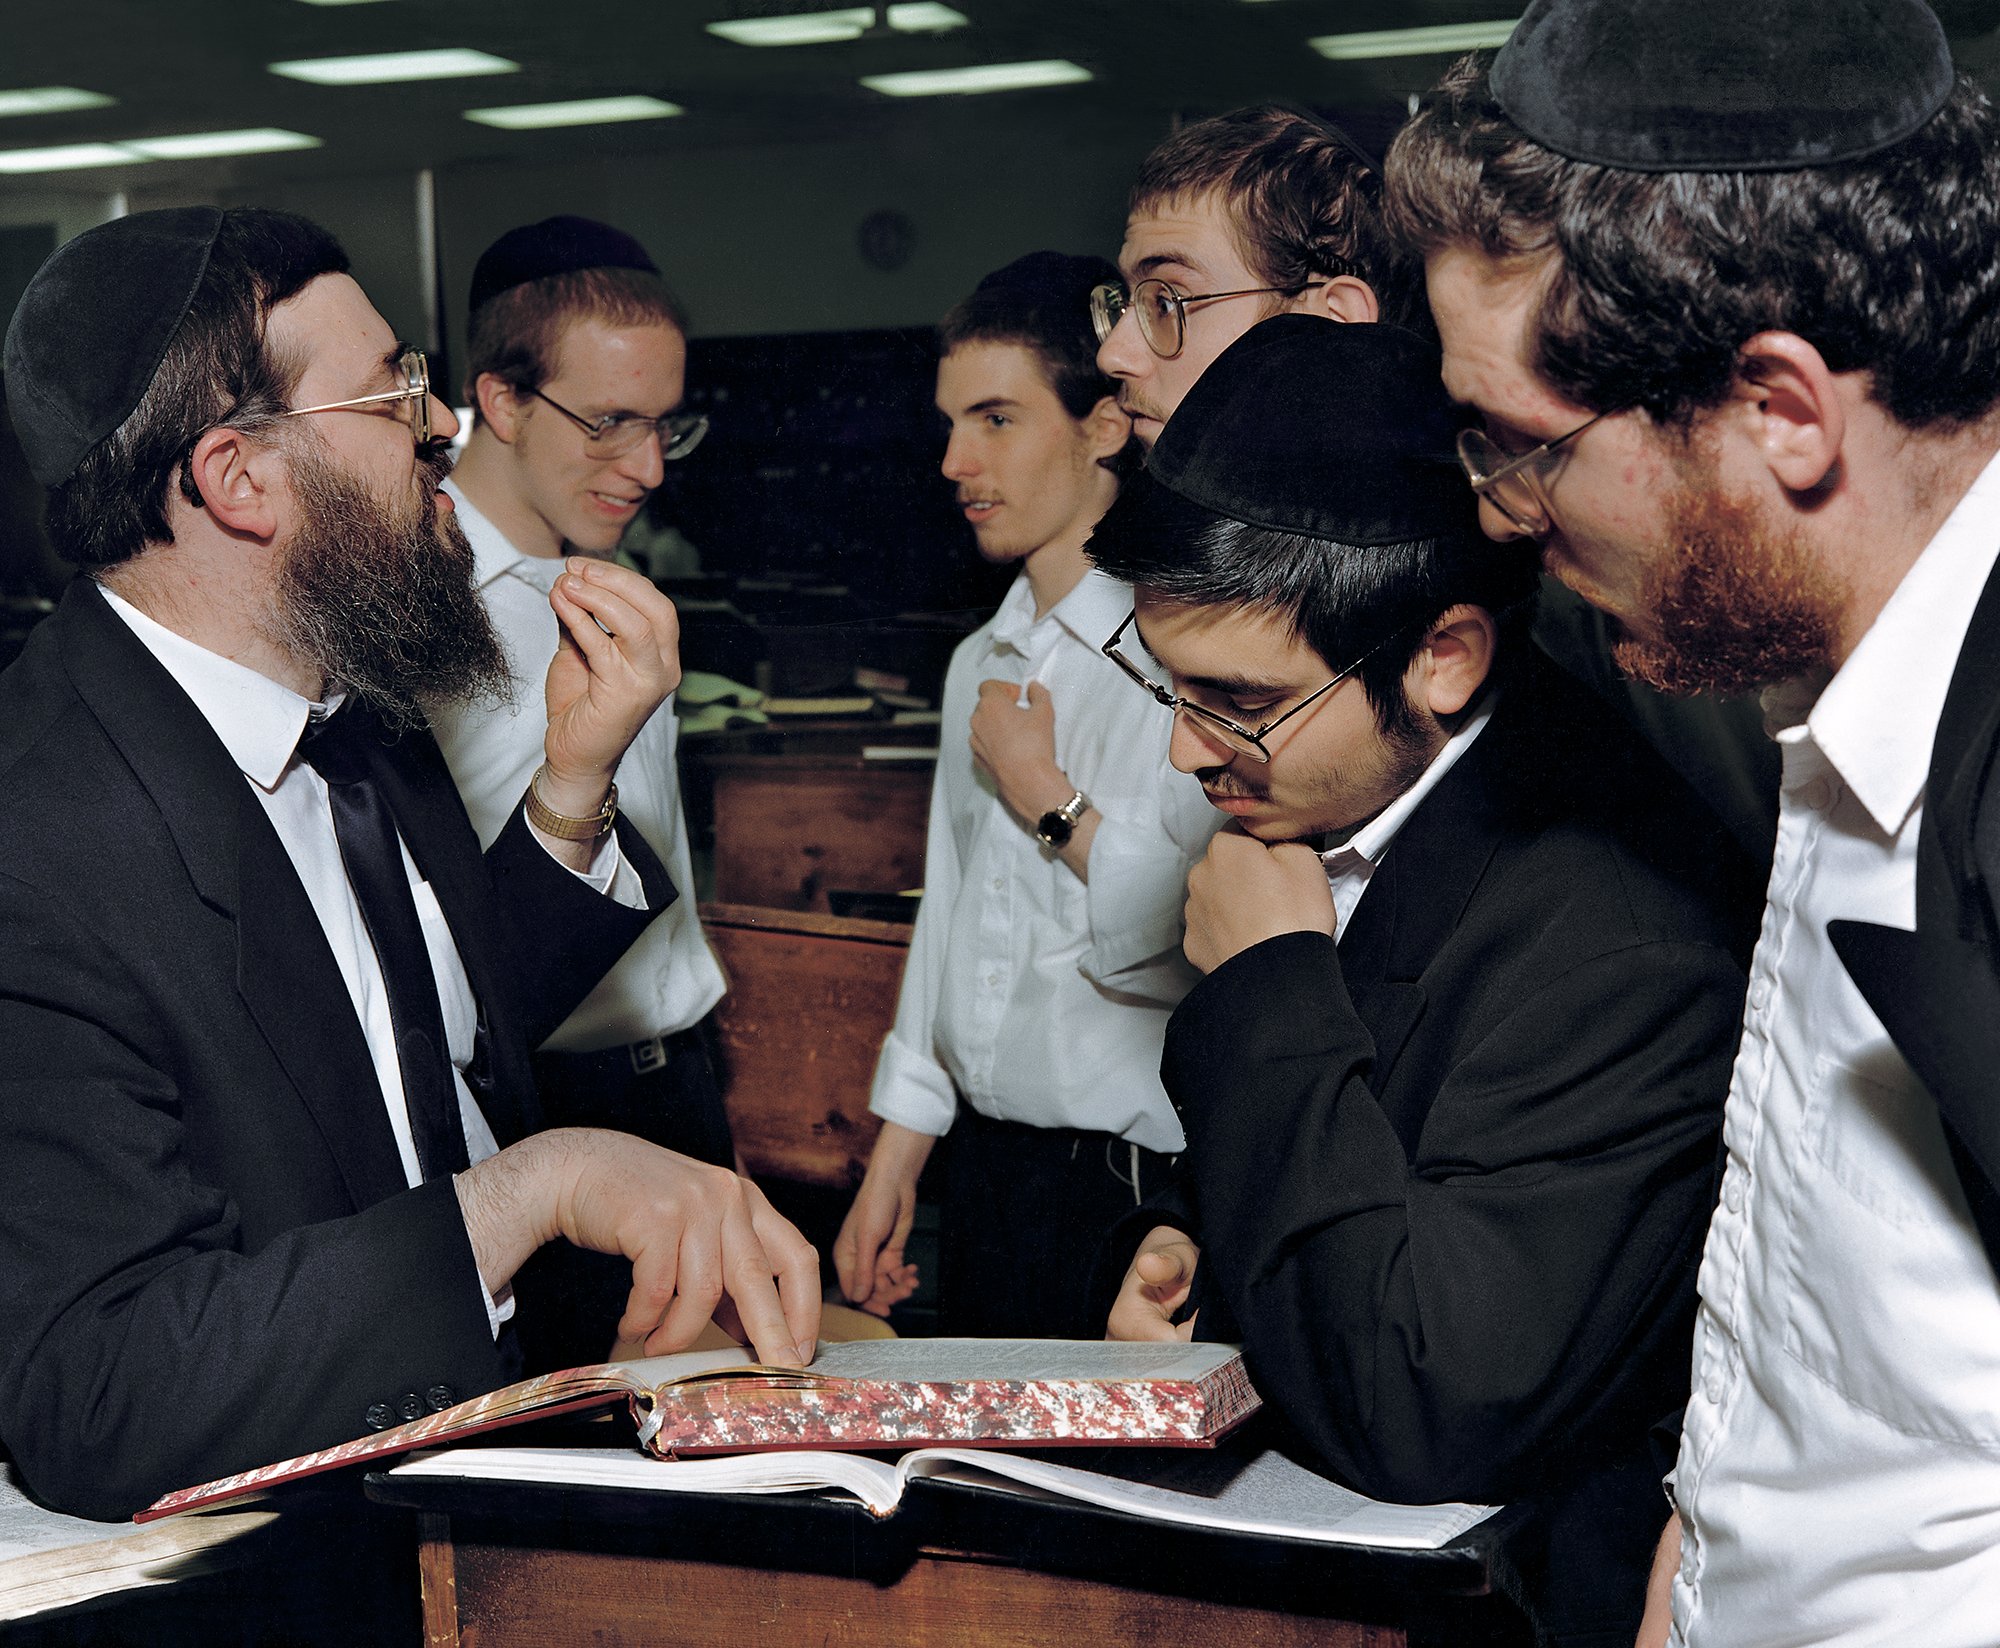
pixel 810 999
pixel 796 815
pixel 511 1565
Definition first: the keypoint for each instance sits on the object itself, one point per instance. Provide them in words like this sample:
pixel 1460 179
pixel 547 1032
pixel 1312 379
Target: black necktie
pixel 374 860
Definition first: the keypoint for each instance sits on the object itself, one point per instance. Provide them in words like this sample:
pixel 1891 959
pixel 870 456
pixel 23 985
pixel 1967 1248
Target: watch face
pixel 1054 830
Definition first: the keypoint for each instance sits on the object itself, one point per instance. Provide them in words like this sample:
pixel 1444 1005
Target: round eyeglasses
pixel 617 433
pixel 1516 484
pixel 1161 312
pixel 414 395
pixel 1209 723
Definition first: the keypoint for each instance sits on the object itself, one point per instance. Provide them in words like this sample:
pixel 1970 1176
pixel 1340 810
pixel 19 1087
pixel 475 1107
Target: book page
pixel 988 1359
pixel 49 1560
pixel 1257 1492
pixel 875 1482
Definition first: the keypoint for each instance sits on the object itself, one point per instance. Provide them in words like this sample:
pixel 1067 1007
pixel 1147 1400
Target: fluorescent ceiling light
pixel 137 151
pixel 1445 37
pixel 214 145
pixel 68 158
pixel 590 111
pixel 980 77
pixel 51 100
pixel 384 68
pixel 817 28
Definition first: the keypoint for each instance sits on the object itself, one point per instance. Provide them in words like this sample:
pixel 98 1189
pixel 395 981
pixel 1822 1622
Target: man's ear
pixel 1454 661
pixel 239 480
pixel 1788 401
pixel 501 405
pixel 1109 427
pixel 1343 298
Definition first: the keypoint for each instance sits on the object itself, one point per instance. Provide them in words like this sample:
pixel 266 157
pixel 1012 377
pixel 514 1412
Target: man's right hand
pixel 1156 1285
pixel 695 1234
pixel 868 1252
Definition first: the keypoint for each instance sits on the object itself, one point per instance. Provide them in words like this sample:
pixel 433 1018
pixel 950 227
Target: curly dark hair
pixel 1885 264
pixel 1303 196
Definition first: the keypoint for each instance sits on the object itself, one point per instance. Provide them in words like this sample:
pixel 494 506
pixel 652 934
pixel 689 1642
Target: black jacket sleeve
pixel 142 1346
pixel 1433 1319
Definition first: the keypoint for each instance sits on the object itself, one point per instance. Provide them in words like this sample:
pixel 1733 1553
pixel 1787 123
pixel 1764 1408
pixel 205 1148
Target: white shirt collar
pixel 1372 840
pixel 258 721
pixel 1875 720
pixel 1089 612
pixel 493 553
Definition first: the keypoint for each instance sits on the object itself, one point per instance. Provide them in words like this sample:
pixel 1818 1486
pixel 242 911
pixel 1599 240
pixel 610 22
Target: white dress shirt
pixel 260 723
pixel 1351 865
pixel 1839 1474
pixel 1040 997
pixel 669 978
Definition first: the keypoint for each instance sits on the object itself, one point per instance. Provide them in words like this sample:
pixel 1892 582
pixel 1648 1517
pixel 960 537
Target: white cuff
pixel 912 1090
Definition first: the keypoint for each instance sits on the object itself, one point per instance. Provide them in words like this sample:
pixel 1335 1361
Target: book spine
pixel 733 1416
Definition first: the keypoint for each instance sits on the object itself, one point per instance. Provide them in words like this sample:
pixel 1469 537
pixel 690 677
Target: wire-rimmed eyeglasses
pixel 617 433
pixel 1161 312
pixel 1515 484
pixel 1210 723
pixel 415 394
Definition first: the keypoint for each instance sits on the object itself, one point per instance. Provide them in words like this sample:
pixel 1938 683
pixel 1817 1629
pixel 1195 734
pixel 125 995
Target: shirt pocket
pixel 1889 1297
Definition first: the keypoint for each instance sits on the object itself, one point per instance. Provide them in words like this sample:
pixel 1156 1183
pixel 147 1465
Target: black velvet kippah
pixel 92 327
pixel 1058 277
pixel 1722 85
pixel 1321 428
pixel 555 246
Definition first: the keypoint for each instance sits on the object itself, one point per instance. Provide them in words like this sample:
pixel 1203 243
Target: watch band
pixel 1053 829
pixel 564 828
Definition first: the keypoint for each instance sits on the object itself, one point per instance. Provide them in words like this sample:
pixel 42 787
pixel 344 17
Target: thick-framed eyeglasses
pixel 1516 485
pixel 617 433
pixel 1209 723
pixel 1162 312
pixel 415 394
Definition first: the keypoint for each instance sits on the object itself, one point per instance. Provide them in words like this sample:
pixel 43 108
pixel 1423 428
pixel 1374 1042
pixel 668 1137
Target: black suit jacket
pixel 1937 990
pixel 1450 1178
pixel 212 1259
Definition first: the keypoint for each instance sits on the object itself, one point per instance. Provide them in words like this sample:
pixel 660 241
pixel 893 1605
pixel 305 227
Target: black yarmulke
pixel 91 329
pixel 1329 430
pixel 1059 277
pixel 554 246
pixel 1722 85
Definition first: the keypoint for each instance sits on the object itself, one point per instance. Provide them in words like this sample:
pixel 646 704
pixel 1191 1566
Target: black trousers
pixel 664 1091
pixel 1025 1211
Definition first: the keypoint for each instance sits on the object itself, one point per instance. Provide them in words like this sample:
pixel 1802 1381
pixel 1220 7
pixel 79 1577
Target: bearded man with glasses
pixel 271 1153
pixel 1452 1085
pixel 576 369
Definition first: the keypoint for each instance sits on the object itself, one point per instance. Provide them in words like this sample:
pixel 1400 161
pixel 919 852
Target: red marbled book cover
pixel 875 1393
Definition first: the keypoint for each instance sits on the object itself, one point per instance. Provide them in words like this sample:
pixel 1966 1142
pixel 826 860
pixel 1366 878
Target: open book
pixel 48 1560
pixel 1250 1489
pixel 871 1393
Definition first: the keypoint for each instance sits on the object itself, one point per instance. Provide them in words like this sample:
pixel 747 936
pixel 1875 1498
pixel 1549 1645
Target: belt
pixel 640 1057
